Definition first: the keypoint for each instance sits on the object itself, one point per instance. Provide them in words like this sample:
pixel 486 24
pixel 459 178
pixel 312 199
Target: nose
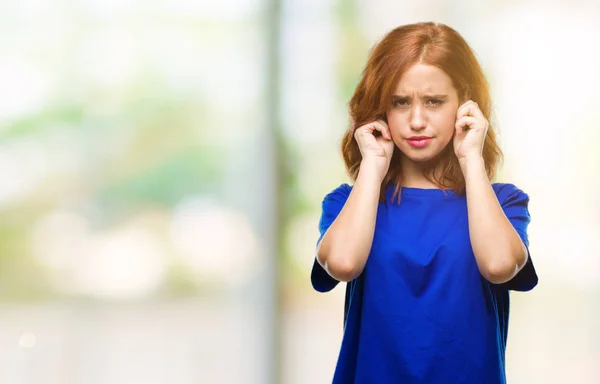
pixel 417 118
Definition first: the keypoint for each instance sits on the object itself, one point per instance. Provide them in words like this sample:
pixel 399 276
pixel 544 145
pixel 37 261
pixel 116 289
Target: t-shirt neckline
pixel 425 192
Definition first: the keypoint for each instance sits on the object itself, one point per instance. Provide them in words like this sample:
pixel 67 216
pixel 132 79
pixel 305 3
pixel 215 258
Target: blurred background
pixel 162 166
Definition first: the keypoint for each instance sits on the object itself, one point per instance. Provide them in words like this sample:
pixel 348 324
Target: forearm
pixel 346 245
pixel 498 249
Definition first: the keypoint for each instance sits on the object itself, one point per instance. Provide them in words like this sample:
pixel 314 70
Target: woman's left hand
pixel 471 128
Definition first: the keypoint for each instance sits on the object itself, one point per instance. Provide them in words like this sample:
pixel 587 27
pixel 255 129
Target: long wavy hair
pixel 427 43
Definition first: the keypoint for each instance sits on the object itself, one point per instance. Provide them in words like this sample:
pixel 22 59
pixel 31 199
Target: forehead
pixel 424 79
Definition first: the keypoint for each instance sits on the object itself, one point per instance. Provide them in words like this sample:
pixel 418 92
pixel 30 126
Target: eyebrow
pixel 427 96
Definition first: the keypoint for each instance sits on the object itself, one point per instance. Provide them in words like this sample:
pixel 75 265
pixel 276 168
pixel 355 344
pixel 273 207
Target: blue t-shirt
pixel 420 311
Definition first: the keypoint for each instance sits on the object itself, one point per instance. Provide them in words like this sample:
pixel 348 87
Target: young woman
pixel 428 245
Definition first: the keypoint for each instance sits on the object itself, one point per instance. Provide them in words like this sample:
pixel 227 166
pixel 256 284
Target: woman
pixel 429 246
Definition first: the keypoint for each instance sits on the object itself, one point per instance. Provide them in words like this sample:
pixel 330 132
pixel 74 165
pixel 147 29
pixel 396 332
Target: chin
pixel 421 156
pixel 421 159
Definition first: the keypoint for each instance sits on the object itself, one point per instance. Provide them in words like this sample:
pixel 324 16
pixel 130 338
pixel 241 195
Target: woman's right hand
pixel 377 150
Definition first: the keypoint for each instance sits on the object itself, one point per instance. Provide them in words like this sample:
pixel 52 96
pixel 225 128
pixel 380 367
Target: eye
pixel 435 102
pixel 397 102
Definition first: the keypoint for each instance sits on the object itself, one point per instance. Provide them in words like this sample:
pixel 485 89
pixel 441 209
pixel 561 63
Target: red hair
pixel 426 43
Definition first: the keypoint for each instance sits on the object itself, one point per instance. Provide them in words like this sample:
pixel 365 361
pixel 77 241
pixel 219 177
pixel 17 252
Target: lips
pixel 419 141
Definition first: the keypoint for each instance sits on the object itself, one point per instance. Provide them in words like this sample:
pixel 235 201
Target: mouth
pixel 419 141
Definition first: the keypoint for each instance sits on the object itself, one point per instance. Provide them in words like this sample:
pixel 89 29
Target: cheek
pixel 445 123
pixel 442 122
pixel 395 123
pixel 393 117
pixel 397 120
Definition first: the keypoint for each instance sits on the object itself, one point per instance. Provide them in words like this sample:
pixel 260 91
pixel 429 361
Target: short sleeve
pixel 515 203
pixel 330 209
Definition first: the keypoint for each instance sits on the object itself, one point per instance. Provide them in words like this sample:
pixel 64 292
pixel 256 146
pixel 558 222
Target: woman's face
pixel 423 112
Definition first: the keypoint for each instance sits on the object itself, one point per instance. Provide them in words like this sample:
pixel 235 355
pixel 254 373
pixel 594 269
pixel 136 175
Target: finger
pixel 367 129
pixel 470 108
pixel 464 109
pixel 464 124
pixel 382 127
pixel 371 127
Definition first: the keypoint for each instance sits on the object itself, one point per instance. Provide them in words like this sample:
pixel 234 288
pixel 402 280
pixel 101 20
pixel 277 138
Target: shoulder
pixel 507 193
pixel 340 193
pixel 332 205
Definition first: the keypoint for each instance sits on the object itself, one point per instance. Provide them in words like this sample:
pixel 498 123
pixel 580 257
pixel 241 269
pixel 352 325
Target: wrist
pixel 473 167
pixel 474 162
pixel 370 168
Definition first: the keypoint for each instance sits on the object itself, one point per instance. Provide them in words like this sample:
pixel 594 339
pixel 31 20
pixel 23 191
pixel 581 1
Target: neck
pixel 414 174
